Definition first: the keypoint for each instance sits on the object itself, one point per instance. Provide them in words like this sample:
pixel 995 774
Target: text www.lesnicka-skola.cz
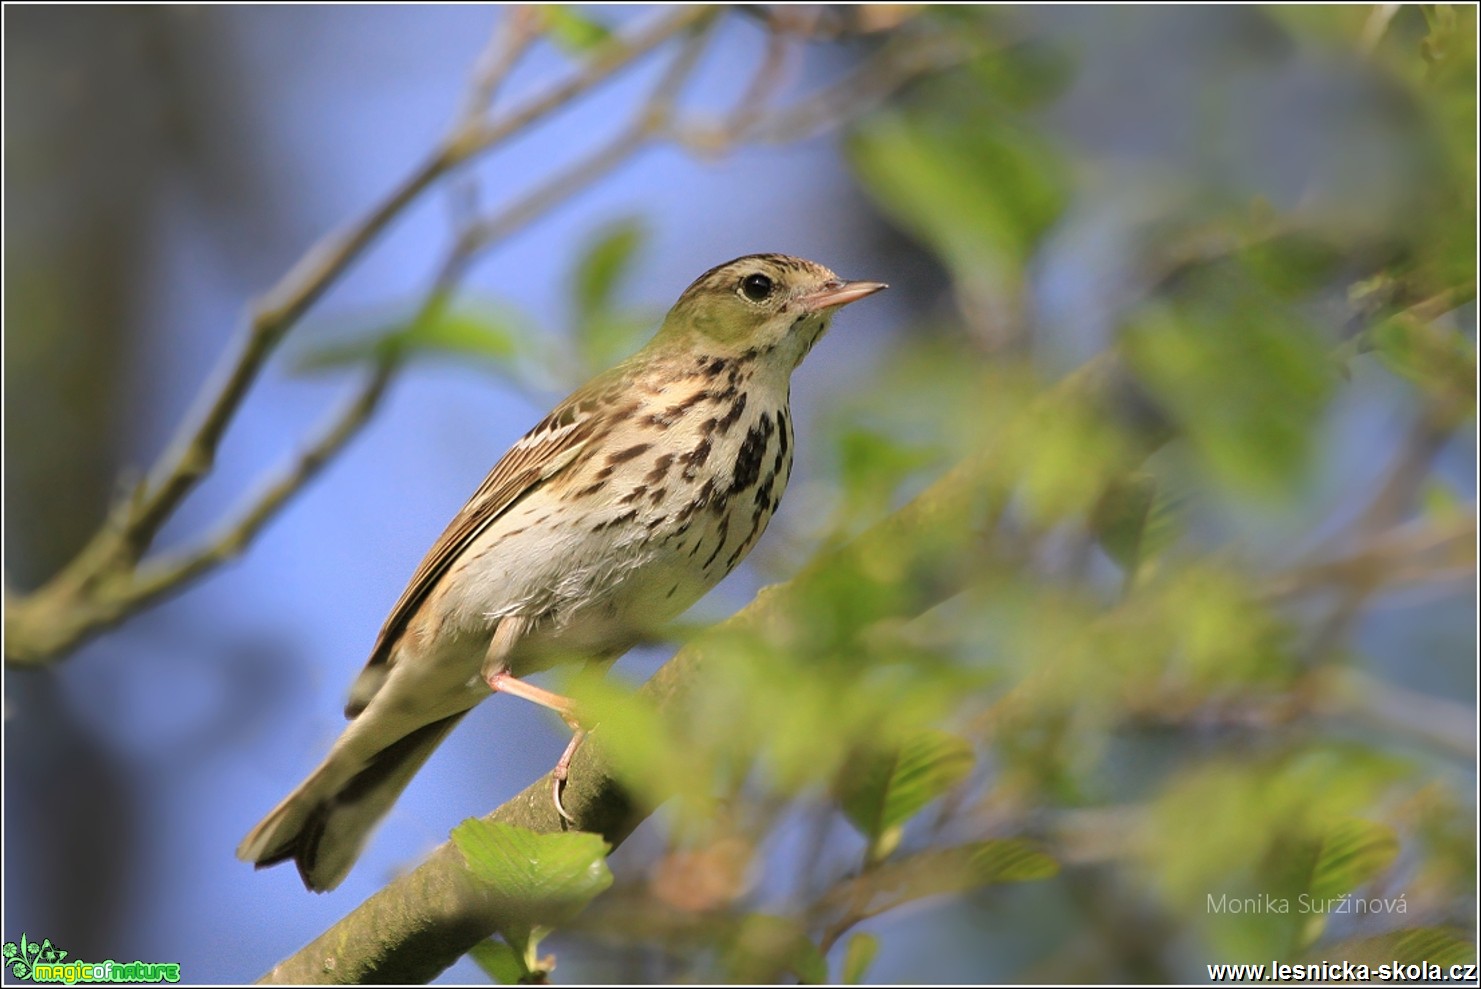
pixel 1395 971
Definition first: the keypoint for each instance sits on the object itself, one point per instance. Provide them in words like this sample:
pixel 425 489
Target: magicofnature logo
pixel 42 961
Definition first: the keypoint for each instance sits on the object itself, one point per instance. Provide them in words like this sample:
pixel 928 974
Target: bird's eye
pixel 756 287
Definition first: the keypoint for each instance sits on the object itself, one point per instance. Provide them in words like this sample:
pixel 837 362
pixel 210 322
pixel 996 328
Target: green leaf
pixel 1352 853
pixel 1440 361
pixel 882 788
pixel 606 332
pixel 574 32
pixel 1246 379
pixel 533 880
pixel 604 264
pixel 978 190
pixel 484 332
pixel 655 761
pixel 1443 946
pixel 947 871
pixel 872 466
pixel 765 948
pixel 857 957
pixel 1119 519
pixel 1254 830
pixel 499 962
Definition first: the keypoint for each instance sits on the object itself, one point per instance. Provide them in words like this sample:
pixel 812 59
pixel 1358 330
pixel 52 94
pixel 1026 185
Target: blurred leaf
pixel 1061 457
pixel 604 263
pixel 1440 361
pixel 605 332
pixel 1442 946
pixel 1120 519
pixel 499 962
pixel 1440 503
pixel 1293 265
pixel 605 340
pixel 647 752
pixel 1236 846
pixel 574 32
pixel 765 948
pixel 1337 24
pixel 872 467
pixel 946 871
pixel 1024 74
pixel 1246 379
pixel 858 955
pixel 467 330
pixel 1352 853
pixel 882 788
pixel 533 880
pixel 978 190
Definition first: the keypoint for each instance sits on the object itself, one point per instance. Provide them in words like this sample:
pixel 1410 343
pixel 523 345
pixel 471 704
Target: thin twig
pixel 476 137
pixel 896 64
pixel 158 578
pixel 1387 559
pixel 106 581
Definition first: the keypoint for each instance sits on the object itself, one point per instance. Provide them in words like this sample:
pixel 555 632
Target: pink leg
pixel 503 682
pixel 563 769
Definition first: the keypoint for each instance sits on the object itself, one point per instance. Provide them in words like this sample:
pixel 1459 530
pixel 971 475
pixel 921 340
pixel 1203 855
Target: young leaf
pixel 479 331
pixel 533 880
pixel 857 957
pixel 499 961
pixel 574 32
pixel 1443 946
pixel 1352 853
pixel 1120 518
pixel 944 871
pixel 605 332
pixel 603 265
pixel 882 788
pixel 979 190
pixel 764 948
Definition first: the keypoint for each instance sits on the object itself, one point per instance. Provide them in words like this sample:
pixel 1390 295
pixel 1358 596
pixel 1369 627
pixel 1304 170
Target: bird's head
pixel 771 304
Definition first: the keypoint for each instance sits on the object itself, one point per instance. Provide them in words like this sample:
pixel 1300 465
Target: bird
pixel 616 512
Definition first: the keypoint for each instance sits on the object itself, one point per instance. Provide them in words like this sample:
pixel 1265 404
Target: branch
pixel 106 581
pixel 895 65
pixel 424 921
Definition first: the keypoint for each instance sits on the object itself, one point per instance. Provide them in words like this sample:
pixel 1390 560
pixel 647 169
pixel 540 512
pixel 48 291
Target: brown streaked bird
pixel 619 510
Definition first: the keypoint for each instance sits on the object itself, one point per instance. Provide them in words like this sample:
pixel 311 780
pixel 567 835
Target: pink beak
pixel 839 294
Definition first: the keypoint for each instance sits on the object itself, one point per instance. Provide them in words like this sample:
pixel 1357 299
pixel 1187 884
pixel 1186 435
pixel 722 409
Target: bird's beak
pixel 839 293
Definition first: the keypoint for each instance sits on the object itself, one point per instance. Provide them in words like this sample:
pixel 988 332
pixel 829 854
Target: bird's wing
pixel 557 442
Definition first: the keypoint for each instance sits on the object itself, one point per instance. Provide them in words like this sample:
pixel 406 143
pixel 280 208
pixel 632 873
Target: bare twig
pixel 519 30
pixel 106 581
pixel 157 578
pixel 1404 555
pixel 896 64
pixel 111 578
pixel 646 124
pixel 1376 26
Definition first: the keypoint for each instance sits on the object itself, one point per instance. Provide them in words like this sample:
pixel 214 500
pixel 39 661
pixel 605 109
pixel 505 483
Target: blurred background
pixel 1218 631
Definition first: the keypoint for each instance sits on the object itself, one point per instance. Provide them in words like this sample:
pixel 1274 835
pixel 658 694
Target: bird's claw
pixel 562 771
pixel 557 784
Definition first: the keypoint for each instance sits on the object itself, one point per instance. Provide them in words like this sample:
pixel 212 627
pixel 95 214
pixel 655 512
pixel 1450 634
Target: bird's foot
pixel 562 771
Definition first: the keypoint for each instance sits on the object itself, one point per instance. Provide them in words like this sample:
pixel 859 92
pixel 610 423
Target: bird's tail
pixel 323 824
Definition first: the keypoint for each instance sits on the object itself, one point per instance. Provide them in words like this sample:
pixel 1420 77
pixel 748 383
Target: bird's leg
pixel 504 682
pixel 496 674
pixel 563 769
